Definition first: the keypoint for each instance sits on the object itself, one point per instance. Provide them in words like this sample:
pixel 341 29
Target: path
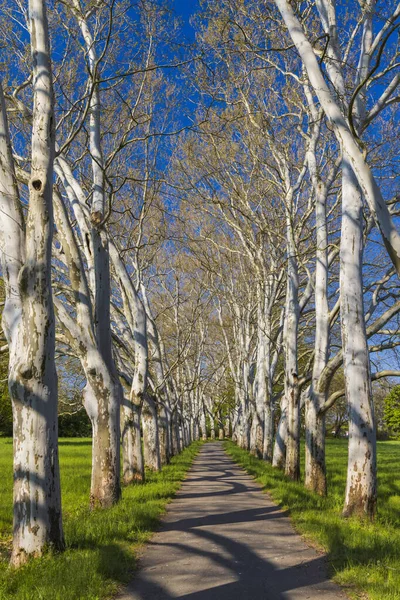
pixel 223 539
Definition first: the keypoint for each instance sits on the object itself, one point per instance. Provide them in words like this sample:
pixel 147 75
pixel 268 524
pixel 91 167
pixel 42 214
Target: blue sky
pixel 186 8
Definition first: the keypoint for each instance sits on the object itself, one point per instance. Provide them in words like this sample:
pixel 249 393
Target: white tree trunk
pixel 279 455
pixel 260 388
pixel 355 158
pixel 315 470
pixel 151 443
pixel 102 403
pixel 28 318
pixel 292 465
pixel 133 463
pixel 361 471
pixel 203 426
pixel 163 427
pixel 227 427
pixel 102 394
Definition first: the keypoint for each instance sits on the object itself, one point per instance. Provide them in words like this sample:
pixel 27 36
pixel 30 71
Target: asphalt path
pixel 224 539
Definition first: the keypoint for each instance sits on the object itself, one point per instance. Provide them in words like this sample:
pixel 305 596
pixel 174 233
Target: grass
pixel 364 557
pixel 102 546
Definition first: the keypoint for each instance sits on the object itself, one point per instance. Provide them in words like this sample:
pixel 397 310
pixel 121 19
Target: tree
pixel 392 411
pixel 28 316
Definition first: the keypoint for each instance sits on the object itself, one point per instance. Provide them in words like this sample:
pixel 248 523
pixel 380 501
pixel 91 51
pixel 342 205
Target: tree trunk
pixel 150 435
pixel 102 403
pixel 203 426
pixel 175 435
pixel 133 464
pixel 28 318
pixel 292 465
pixel 268 429
pixel 212 426
pixel 361 492
pixel 227 427
pixel 315 470
pixel 355 157
pixel 279 455
pixel 163 435
pixel 257 435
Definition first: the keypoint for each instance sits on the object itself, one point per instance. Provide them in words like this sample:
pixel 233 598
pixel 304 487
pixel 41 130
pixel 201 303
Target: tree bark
pixel 151 449
pixel 28 317
pixel 315 469
pixel 279 455
pixel 292 465
pixel 361 490
pixel 132 453
pixel 355 158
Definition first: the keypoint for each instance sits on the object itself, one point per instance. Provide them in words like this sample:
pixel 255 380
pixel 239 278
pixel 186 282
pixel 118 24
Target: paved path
pixel 223 539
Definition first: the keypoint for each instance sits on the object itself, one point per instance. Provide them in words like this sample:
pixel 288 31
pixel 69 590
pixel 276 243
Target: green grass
pixel 364 557
pixel 101 545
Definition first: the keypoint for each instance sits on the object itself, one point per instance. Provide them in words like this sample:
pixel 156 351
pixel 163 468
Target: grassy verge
pixel 101 545
pixel 364 557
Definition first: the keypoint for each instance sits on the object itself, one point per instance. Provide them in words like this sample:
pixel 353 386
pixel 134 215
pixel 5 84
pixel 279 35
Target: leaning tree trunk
pixel 361 492
pixel 102 393
pixel 355 157
pixel 28 317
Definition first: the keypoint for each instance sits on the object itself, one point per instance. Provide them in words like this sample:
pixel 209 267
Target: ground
pixel 223 539
pixel 102 546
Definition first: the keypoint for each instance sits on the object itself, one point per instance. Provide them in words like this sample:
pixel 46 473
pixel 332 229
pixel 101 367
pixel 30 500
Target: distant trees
pixel 392 411
pixel 283 164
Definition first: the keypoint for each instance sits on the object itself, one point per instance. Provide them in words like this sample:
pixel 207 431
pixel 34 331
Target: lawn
pixel 101 545
pixel 364 557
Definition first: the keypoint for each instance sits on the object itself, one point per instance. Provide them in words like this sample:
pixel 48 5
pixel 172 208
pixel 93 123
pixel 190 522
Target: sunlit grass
pixel 101 545
pixel 363 557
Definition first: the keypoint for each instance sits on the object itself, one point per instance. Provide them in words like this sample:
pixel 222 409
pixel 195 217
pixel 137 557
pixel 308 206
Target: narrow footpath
pixel 223 539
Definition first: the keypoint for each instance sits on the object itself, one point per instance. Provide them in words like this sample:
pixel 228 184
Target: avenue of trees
pixel 197 238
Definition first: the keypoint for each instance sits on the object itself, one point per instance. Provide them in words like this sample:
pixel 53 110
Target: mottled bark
pixel 335 113
pixel 163 427
pixel 104 413
pixel 151 448
pixel 132 453
pixel 361 485
pixel 279 454
pixel 315 469
pixel 203 426
pixel 227 427
pixel 292 465
pixel 28 317
pixel 268 429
